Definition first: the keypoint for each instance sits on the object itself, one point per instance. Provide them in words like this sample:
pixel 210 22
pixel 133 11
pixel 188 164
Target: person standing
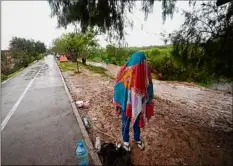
pixel 133 97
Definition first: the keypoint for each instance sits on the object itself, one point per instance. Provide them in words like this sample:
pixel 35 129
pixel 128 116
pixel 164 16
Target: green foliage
pixel 30 47
pixel 13 73
pixel 201 50
pixel 118 55
pixel 97 55
pixel 40 56
pixel 3 77
pixel 75 44
pixel 26 51
pixel 71 66
pixel 106 16
pixel 58 46
pixel 67 66
pixel 204 42
pixel 98 70
pixel 159 59
pixel 22 52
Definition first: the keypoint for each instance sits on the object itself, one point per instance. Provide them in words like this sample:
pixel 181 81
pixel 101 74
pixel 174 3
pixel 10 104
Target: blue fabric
pixel 150 91
pixel 120 92
pixel 121 97
pixel 125 124
pixel 136 58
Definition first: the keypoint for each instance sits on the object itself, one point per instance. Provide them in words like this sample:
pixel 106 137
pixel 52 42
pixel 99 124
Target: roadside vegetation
pixel 5 77
pixel 72 66
pixel 200 52
pixel 94 69
pixel 22 52
pixel 67 66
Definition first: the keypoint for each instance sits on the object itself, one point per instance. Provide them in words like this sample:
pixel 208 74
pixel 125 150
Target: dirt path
pixel 179 133
pixel 209 107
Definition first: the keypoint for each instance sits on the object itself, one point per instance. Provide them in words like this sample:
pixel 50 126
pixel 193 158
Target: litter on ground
pixel 82 104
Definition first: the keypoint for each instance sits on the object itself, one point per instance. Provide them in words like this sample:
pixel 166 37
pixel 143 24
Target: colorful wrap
pixel 133 90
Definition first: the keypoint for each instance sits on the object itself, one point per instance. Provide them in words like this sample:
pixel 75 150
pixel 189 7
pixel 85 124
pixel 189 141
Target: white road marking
pixel 7 118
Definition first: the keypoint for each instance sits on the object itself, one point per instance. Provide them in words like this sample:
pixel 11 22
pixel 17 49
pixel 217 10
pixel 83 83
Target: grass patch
pixel 203 84
pixel 94 69
pixel 68 66
pixel 3 77
pixel 72 66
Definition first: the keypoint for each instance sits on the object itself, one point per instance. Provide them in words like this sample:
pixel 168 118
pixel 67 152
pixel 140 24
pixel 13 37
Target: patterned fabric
pixel 133 90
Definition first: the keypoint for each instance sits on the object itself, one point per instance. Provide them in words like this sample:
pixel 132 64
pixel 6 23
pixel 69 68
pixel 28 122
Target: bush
pixel 3 77
pixel 160 59
pixel 40 56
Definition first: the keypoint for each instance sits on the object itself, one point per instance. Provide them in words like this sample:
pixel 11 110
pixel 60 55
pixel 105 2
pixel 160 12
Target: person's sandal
pixel 140 144
pixel 126 146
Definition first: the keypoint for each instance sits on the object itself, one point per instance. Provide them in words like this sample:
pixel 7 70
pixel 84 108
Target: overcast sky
pixel 31 19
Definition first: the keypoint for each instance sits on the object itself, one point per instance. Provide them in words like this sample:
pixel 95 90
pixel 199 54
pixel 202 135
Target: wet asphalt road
pixel 43 129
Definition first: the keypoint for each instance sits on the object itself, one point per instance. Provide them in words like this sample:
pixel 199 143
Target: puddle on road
pixel 31 74
pixel 43 71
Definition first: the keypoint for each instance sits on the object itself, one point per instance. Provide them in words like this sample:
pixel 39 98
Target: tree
pixel 29 46
pixel 205 41
pixel 58 46
pixel 40 47
pixel 87 43
pixel 21 53
pixel 75 44
pixel 25 51
pixel 105 15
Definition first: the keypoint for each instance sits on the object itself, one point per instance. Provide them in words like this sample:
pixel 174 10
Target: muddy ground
pixel 184 130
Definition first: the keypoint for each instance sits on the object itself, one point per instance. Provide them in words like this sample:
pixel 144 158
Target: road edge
pixel 2 83
pixel 93 154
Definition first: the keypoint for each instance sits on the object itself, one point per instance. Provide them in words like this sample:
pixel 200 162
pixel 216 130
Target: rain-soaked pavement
pixel 38 125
